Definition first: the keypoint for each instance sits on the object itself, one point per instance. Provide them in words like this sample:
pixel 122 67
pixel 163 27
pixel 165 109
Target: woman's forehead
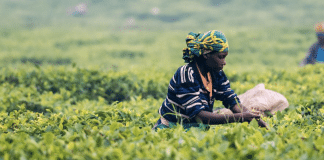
pixel 223 53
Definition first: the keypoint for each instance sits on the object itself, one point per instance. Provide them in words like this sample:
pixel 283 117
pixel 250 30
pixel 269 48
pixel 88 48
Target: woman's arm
pixel 239 108
pixel 310 57
pixel 212 118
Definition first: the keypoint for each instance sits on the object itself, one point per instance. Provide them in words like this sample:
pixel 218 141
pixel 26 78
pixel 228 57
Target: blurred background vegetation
pixel 140 34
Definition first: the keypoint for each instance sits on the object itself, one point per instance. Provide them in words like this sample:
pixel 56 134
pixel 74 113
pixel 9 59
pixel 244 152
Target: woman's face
pixel 320 37
pixel 216 61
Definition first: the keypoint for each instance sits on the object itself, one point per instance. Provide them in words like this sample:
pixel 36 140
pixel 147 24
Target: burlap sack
pixel 262 99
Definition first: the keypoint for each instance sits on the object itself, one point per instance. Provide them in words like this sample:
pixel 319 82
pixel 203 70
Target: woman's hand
pixel 260 121
pixel 257 111
pixel 262 124
pixel 241 109
pixel 248 116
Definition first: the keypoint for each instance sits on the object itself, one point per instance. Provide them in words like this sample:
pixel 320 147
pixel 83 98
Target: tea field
pixel 84 80
pixel 95 94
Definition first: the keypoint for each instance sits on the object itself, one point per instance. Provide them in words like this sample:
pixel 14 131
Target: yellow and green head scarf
pixel 319 27
pixel 197 43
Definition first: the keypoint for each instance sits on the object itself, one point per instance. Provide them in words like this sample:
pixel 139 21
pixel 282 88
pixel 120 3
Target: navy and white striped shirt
pixel 187 95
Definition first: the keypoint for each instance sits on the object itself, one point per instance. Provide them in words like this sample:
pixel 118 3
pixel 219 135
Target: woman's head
pixel 319 29
pixel 212 60
pixel 210 42
pixel 215 61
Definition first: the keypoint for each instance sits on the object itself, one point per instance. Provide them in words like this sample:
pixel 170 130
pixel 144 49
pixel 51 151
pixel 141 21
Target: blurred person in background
pixel 194 87
pixel 79 10
pixel 315 53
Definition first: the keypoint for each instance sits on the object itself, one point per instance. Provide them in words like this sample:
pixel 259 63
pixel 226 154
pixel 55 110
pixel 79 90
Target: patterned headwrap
pixel 319 27
pixel 198 43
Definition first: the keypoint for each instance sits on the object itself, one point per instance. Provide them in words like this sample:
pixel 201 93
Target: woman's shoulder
pixel 185 74
pixel 314 47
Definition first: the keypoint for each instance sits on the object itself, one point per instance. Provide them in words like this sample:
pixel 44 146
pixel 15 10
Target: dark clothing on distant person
pixel 314 55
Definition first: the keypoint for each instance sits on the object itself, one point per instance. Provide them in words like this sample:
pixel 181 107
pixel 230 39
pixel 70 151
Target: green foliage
pixel 266 48
pixel 36 87
pixel 65 124
pixel 102 102
pixel 41 61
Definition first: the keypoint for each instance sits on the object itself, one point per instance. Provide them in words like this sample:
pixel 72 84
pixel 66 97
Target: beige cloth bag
pixel 261 98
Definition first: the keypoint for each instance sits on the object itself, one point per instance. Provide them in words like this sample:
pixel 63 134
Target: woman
pixel 195 86
pixel 315 53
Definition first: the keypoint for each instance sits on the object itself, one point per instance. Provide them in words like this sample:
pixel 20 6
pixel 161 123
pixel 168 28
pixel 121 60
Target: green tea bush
pixel 62 113
pixel 107 112
pixel 41 61
pixel 75 85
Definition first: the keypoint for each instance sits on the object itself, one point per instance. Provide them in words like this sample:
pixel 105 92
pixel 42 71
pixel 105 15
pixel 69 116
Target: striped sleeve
pixel 187 91
pixel 224 92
